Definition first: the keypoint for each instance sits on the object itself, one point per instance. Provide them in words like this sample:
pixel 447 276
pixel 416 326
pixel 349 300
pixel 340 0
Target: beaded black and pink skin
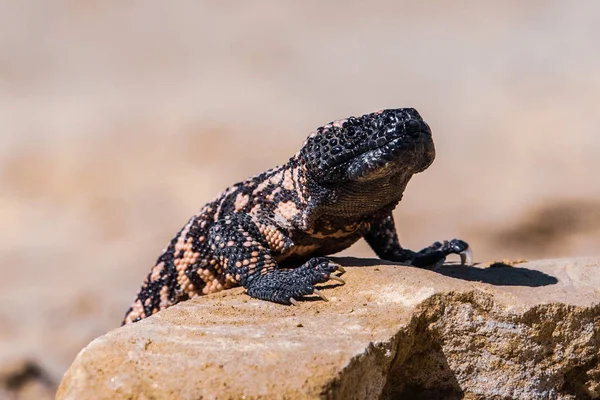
pixel 271 233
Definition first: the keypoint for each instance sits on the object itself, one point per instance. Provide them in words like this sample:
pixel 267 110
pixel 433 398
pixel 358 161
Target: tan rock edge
pixel 527 331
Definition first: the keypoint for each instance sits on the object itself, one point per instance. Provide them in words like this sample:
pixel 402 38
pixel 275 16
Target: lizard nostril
pixel 413 125
pixel 415 128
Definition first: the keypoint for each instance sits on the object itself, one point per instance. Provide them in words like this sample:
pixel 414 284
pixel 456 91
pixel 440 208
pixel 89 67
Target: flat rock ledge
pixel 527 331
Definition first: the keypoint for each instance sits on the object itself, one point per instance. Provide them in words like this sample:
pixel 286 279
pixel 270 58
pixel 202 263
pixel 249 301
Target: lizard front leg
pixel 243 246
pixel 383 239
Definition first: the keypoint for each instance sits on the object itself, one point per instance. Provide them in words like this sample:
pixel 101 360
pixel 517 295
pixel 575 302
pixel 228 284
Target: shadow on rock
pixel 498 274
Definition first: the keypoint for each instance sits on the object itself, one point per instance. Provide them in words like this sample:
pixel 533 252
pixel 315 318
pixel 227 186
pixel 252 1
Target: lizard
pixel 271 233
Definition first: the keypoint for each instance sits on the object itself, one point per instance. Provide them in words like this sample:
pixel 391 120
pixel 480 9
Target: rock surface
pixel 526 331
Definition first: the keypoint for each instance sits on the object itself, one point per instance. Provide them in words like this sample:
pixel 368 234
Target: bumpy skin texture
pixel 270 233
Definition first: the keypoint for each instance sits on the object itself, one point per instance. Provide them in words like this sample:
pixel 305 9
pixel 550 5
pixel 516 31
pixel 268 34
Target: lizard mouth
pixel 392 157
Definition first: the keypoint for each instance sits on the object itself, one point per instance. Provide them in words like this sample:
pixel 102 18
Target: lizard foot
pixel 435 255
pixel 286 286
pixel 460 247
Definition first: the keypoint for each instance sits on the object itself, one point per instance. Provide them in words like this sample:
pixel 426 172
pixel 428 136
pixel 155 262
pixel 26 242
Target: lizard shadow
pixel 498 274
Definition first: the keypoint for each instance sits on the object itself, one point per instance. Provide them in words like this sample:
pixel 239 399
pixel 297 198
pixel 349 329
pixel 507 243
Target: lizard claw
pixel 341 270
pixel 466 256
pixel 320 294
pixel 293 301
pixel 337 278
pixel 336 268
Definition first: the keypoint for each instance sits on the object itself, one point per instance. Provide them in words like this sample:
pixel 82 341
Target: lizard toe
pixel 320 294
pixel 466 257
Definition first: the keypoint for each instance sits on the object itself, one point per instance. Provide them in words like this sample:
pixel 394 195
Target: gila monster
pixel 270 233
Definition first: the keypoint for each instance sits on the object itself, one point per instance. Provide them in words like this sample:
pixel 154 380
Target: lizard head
pixel 376 153
pixel 366 148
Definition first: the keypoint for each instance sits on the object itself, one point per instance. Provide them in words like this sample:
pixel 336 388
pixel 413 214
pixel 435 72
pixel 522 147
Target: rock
pixel 527 331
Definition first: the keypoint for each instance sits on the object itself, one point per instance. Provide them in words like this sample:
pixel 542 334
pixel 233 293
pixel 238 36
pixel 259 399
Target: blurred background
pixel 118 120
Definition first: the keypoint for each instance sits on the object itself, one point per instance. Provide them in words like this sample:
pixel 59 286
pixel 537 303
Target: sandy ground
pixel 119 119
